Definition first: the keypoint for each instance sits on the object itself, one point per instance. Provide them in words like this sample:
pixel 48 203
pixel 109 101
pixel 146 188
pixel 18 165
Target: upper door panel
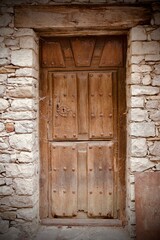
pixel 83 52
pixel 81 105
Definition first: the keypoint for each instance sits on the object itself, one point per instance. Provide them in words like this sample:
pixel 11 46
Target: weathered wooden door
pixel 81 122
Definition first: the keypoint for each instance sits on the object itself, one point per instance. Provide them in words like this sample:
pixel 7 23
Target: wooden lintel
pixel 81 17
pixel 75 32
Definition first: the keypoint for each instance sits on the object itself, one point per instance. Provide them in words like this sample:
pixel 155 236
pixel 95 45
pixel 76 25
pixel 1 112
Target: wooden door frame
pixel 121 159
pixel 71 28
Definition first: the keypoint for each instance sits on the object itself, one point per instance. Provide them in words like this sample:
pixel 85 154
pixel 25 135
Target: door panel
pixel 100 105
pixel 64 106
pixel 100 179
pixel 64 179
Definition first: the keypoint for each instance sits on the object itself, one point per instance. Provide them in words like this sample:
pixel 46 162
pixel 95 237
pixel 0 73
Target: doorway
pixel 82 127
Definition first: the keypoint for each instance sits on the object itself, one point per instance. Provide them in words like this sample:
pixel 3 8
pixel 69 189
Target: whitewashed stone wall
pixel 19 155
pixel 19 160
pixel 143 100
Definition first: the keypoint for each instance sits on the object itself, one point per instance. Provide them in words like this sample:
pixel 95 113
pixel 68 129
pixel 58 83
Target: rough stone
pixel 22 92
pixel 21 80
pixel 4 226
pixel 23 170
pixel 8 181
pixel 146 80
pixel 19 201
pixel 24 127
pixel 155 116
pixel 132 192
pixel 155 149
pixel 28 42
pixel 10 215
pixel 135 78
pixel 148 48
pixel 13 234
pixel 5 19
pixel 9 127
pixel 3 144
pixel 136 59
pixel 1 39
pixel 26 157
pixel 156 81
pixel 27 214
pixel 2 90
pixel 5 190
pixel 138 147
pixel 132 217
pixel 1 127
pixel 6 31
pixel 138 115
pixel 18 115
pixel 140 164
pixel 157 69
pixel 3 78
pixel 5 158
pixel 11 42
pixel 155 35
pixel 142 129
pixel 144 90
pixel 22 105
pixel 27 72
pixel 141 68
pixel 138 33
pixel 4 52
pixel 23 142
pixel 23 57
pixel 2 181
pixel 25 32
pixel 137 102
pixel 4 104
pixel 158 167
pixel 24 186
pixel 150 104
pixel 154 158
pixel 153 58
pixel 2 168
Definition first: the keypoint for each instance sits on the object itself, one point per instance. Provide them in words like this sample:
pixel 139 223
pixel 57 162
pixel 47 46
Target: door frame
pixel 121 155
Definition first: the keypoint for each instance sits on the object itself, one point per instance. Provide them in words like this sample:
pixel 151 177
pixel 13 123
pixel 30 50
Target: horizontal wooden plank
pixel 80 17
pixel 82 222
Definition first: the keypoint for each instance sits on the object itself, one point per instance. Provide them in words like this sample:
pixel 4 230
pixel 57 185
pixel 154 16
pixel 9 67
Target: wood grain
pixel 74 17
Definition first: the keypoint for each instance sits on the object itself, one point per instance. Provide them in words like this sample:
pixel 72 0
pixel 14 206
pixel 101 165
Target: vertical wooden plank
pixel 100 179
pixel 112 54
pixel 43 114
pixel 147 200
pixel 65 106
pixel 82 177
pixel 83 50
pixel 52 54
pixel 121 129
pixel 100 105
pixel 82 79
pixel 64 179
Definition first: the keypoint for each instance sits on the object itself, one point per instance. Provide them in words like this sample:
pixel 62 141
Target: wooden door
pixel 82 127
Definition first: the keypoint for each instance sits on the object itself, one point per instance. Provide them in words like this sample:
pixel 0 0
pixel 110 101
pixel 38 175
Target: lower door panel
pixel 81 179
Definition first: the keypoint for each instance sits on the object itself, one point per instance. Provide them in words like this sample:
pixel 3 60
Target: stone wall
pixel 19 159
pixel 143 100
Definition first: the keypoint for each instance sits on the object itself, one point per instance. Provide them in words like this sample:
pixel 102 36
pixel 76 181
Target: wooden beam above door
pixel 76 17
